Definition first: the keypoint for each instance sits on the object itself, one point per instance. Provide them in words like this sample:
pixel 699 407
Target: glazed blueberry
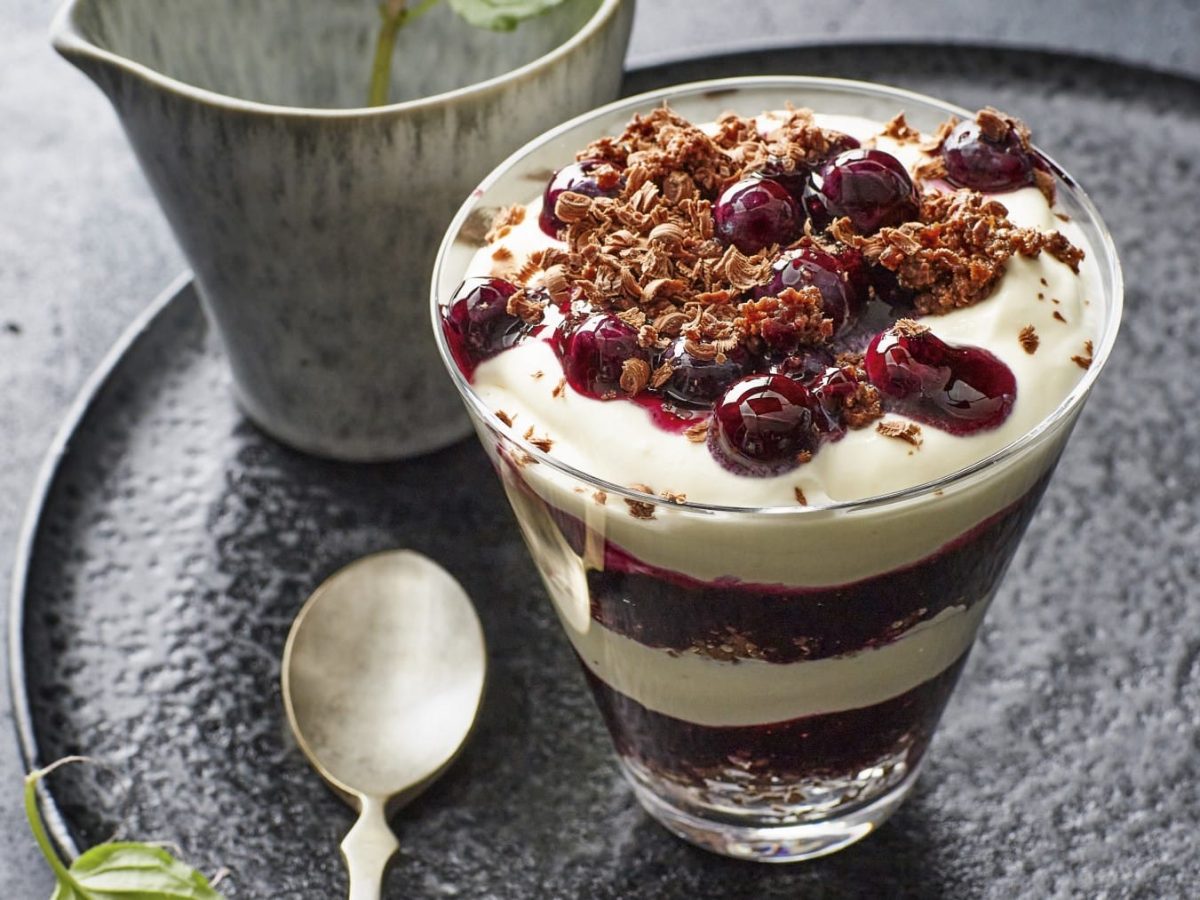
pixel 809 266
pixel 888 288
pixel 698 382
pixel 594 351
pixel 804 364
pixel 792 180
pixel 870 187
pixel 857 270
pixel 578 178
pixel 477 322
pixel 982 164
pixel 764 424
pixel 958 389
pixel 755 213
pixel 833 388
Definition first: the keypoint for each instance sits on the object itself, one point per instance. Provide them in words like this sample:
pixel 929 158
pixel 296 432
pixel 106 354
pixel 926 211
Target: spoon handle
pixel 367 848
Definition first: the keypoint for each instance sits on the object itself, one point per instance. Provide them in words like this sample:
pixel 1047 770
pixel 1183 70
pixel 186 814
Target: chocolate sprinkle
pixel 1029 339
pixel 909 432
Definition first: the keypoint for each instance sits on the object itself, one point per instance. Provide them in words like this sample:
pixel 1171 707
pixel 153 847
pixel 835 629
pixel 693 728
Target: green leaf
pixel 501 15
pixel 129 871
pixel 114 871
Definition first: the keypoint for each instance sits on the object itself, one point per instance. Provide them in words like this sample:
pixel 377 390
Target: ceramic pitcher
pixel 311 222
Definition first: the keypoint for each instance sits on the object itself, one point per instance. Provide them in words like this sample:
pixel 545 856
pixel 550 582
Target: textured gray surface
pixel 182 542
pixel 83 248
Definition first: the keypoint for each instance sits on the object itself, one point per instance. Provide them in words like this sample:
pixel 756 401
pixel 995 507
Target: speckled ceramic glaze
pixel 312 223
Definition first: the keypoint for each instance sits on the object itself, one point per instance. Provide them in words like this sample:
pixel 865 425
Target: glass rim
pixel 725 86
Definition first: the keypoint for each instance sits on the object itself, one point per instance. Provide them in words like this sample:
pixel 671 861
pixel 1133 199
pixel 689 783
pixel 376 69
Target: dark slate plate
pixel 175 543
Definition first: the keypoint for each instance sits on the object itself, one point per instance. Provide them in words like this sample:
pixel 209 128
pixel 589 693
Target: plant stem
pixel 394 15
pixel 34 815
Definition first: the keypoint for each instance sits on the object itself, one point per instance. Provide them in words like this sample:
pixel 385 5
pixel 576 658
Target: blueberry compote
pixel 590 177
pixel 697 381
pixel 765 424
pixel 756 213
pixel 957 389
pixel 842 295
pixel 477 322
pixel 987 163
pixel 594 352
pixel 870 187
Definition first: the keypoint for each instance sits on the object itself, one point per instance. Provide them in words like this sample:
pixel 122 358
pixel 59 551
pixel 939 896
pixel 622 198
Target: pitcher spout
pixel 75 33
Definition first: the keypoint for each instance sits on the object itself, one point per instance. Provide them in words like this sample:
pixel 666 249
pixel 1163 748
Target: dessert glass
pixel 771 677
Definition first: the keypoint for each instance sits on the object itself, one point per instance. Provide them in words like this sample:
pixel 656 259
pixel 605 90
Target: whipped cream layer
pixel 741 692
pixel 616 440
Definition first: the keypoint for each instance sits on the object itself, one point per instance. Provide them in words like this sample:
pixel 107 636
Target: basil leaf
pixel 114 871
pixel 129 871
pixel 500 15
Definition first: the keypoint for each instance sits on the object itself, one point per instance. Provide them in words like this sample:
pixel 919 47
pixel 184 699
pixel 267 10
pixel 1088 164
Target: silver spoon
pixel 382 676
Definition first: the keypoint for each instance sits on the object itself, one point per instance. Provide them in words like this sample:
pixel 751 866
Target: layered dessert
pixel 720 361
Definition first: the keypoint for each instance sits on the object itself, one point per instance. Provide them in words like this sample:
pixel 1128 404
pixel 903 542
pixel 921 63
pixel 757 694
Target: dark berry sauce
pixel 766 757
pixel 670 610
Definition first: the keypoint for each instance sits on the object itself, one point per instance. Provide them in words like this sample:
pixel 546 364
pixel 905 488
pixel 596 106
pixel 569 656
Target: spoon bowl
pixel 383 673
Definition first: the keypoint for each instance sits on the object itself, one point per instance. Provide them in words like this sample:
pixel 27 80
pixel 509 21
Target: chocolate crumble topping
pixel 955 255
pixel 542 443
pixel 793 319
pixel 527 306
pixel 1029 339
pixel 649 254
pixel 640 509
pixel 1084 360
pixel 909 328
pixel 909 432
pixel 504 221
pixel 635 375
pixel 898 129
pixel 697 433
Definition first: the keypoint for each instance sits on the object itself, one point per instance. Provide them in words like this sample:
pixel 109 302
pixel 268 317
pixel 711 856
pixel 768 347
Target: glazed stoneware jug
pixel 311 222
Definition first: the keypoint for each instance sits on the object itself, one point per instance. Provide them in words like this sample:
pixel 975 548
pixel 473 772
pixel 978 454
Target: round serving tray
pixel 171 543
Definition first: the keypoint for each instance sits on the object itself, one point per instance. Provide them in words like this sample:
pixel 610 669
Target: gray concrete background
pixel 83 248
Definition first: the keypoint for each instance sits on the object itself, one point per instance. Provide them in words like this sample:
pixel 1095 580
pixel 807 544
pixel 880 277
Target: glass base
pixel 771 842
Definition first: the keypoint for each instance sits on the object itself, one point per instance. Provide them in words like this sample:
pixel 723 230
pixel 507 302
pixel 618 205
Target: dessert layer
pixel 709 692
pixel 774 623
pixel 1042 294
pixel 771 755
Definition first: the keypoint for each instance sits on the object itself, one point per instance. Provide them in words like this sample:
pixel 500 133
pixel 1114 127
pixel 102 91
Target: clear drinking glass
pixel 771 677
